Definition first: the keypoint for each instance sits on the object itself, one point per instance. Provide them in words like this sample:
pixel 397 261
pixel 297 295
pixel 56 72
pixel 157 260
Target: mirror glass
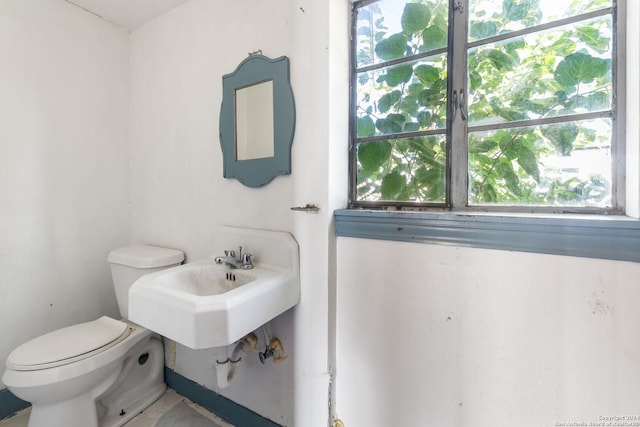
pixel 257 121
pixel 254 121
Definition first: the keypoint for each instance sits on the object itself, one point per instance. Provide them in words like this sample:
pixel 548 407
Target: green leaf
pixel 409 104
pixel 499 59
pixel 397 118
pixel 392 47
pixel 363 78
pixel 506 144
pixel 508 114
pixel 580 68
pixel 424 118
pixel 434 37
pixel 518 10
pixel 427 74
pixel 411 127
pixel 392 185
pixel 561 96
pixel 391 124
pixel 398 74
pixel 372 155
pixel 538 106
pixel 364 14
pixel 428 97
pixel 482 30
pixel 424 150
pixel 505 171
pixel 513 45
pixel 387 100
pixel 365 127
pixel 364 31
pixel 415 17
pixel 592 102
pixel 440 85
pixel 562 136
pixel 415 88
pixel 592 38
pixel 528 161
pixel 482 146
pixel 433 180
pixel 475 80
pixel 489 194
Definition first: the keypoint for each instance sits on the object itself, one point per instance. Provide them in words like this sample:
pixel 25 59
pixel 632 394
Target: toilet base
pixel 140 383
pixel 105 390
pixel 113 419
pixel 73 412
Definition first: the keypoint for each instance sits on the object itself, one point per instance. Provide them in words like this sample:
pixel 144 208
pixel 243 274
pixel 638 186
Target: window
pixel 486 105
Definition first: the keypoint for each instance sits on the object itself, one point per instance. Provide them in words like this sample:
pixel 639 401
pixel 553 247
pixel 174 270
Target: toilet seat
pixel 68 345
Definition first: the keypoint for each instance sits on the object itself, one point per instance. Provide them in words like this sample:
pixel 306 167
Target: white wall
pixel 63 165
pixel 179 197
pixel 451 336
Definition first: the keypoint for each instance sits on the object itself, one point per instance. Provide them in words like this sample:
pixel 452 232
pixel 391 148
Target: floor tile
pixel 148 418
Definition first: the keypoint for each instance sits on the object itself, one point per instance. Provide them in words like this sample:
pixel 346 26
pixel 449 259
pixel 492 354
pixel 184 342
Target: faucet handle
pixel 230 253
pixel 247 260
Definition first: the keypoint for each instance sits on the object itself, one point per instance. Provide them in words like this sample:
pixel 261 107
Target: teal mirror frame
pixel 253 70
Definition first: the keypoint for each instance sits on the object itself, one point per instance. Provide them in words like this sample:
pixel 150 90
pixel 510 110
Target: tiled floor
pixel 148 418
pixel 18 420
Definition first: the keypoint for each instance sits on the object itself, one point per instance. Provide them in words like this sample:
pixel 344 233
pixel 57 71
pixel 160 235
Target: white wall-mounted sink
pixel 203 304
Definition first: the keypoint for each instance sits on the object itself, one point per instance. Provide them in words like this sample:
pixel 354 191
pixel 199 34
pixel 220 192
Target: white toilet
pixel 100 373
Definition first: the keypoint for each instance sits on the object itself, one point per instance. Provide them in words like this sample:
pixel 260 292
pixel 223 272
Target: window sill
pixel 603 237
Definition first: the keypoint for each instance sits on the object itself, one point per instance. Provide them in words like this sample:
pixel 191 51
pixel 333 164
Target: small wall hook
pixel 309 207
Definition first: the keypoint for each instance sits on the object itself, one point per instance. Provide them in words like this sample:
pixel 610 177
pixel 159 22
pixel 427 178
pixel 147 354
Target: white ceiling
pixel 128 13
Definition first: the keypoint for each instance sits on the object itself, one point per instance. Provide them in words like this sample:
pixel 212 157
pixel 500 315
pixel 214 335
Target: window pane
pixel 406 169
pixel 558 72
pixel 392 29
pixel 564 164
pixel 490 17
pixel 402 98
pixel 547 65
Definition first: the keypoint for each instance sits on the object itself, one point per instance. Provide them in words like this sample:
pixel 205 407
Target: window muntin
pixel 541 76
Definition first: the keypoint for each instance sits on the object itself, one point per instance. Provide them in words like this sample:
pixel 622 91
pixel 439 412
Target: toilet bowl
pixel 95 374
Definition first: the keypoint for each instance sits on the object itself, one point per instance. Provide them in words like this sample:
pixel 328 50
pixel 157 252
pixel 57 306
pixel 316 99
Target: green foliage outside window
pixel 540 117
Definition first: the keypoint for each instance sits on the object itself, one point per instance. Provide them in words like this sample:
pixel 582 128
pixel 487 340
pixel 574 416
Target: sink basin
pixel 202 278
pixel 203 304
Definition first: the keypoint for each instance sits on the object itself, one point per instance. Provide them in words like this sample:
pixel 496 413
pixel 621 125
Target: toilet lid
pixel 68 344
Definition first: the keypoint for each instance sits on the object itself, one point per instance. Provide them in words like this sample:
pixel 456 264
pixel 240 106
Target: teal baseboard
pixel 226 409
pixel 221 406
pixel 10 404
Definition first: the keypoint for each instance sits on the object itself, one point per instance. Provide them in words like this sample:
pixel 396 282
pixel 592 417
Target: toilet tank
pixel 132 262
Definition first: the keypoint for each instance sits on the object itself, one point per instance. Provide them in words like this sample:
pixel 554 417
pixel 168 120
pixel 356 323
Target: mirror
pixel 254 121
pixel 257 121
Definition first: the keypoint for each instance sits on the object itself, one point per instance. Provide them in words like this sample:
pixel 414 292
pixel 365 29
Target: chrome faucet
pixel 244 261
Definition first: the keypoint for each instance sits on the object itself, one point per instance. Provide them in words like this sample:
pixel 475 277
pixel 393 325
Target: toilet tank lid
pixel 145 256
